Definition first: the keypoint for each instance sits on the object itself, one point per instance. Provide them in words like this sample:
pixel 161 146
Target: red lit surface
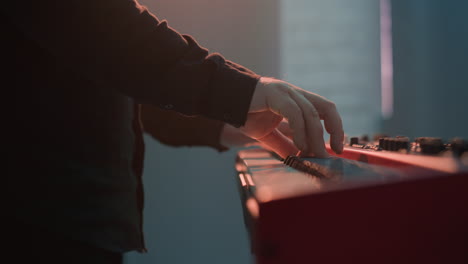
pixel 419 218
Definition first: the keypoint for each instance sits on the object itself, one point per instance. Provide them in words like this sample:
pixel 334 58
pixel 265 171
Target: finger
pixel 285 106
pixel 278 143
pixel 285 129
pixel 334 127
pixel 314 129
pixel 332 120
pixel 233 137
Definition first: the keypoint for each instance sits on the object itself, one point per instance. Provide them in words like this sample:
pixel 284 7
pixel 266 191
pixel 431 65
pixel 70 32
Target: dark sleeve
pixel 174 129
pixel 121 45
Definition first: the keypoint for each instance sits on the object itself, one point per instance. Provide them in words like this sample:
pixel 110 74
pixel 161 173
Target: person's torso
pixel 71 145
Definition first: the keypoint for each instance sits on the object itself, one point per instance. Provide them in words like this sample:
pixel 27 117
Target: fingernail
pixel 339 149
pixel 337 146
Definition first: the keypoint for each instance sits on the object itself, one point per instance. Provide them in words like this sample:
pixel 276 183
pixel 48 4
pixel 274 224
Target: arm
pixel 174 129
pixel 121 45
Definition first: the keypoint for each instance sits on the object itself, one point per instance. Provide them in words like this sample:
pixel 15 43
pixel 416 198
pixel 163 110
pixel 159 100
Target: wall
pixel 332 47
pixel 430 40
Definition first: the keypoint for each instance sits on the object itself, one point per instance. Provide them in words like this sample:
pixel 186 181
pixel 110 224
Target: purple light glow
pixel 386 60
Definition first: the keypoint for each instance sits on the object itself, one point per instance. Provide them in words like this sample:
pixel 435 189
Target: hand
pixel 233 137
pixel 274 100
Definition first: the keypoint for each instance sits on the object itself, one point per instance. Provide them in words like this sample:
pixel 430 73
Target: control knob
pixel 458 146
pixel 431 145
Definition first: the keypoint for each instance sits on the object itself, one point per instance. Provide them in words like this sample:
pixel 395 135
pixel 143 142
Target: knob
pixel 405 144
pixel 353 140
pixel 381 143
pixel 384 143
pixel 431 145
pixel 394 144
pixel 402 142
pixel 390 144
pixel 458 146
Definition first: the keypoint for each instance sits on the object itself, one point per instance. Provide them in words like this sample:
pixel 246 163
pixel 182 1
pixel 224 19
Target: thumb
pixel 285 129
pixel 278 143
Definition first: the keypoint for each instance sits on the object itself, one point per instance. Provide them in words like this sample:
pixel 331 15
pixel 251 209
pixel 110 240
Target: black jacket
pixel 77 72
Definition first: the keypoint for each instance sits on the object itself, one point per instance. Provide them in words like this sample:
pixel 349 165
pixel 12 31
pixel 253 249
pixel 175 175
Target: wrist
pixel 233 137
pixel 267 88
